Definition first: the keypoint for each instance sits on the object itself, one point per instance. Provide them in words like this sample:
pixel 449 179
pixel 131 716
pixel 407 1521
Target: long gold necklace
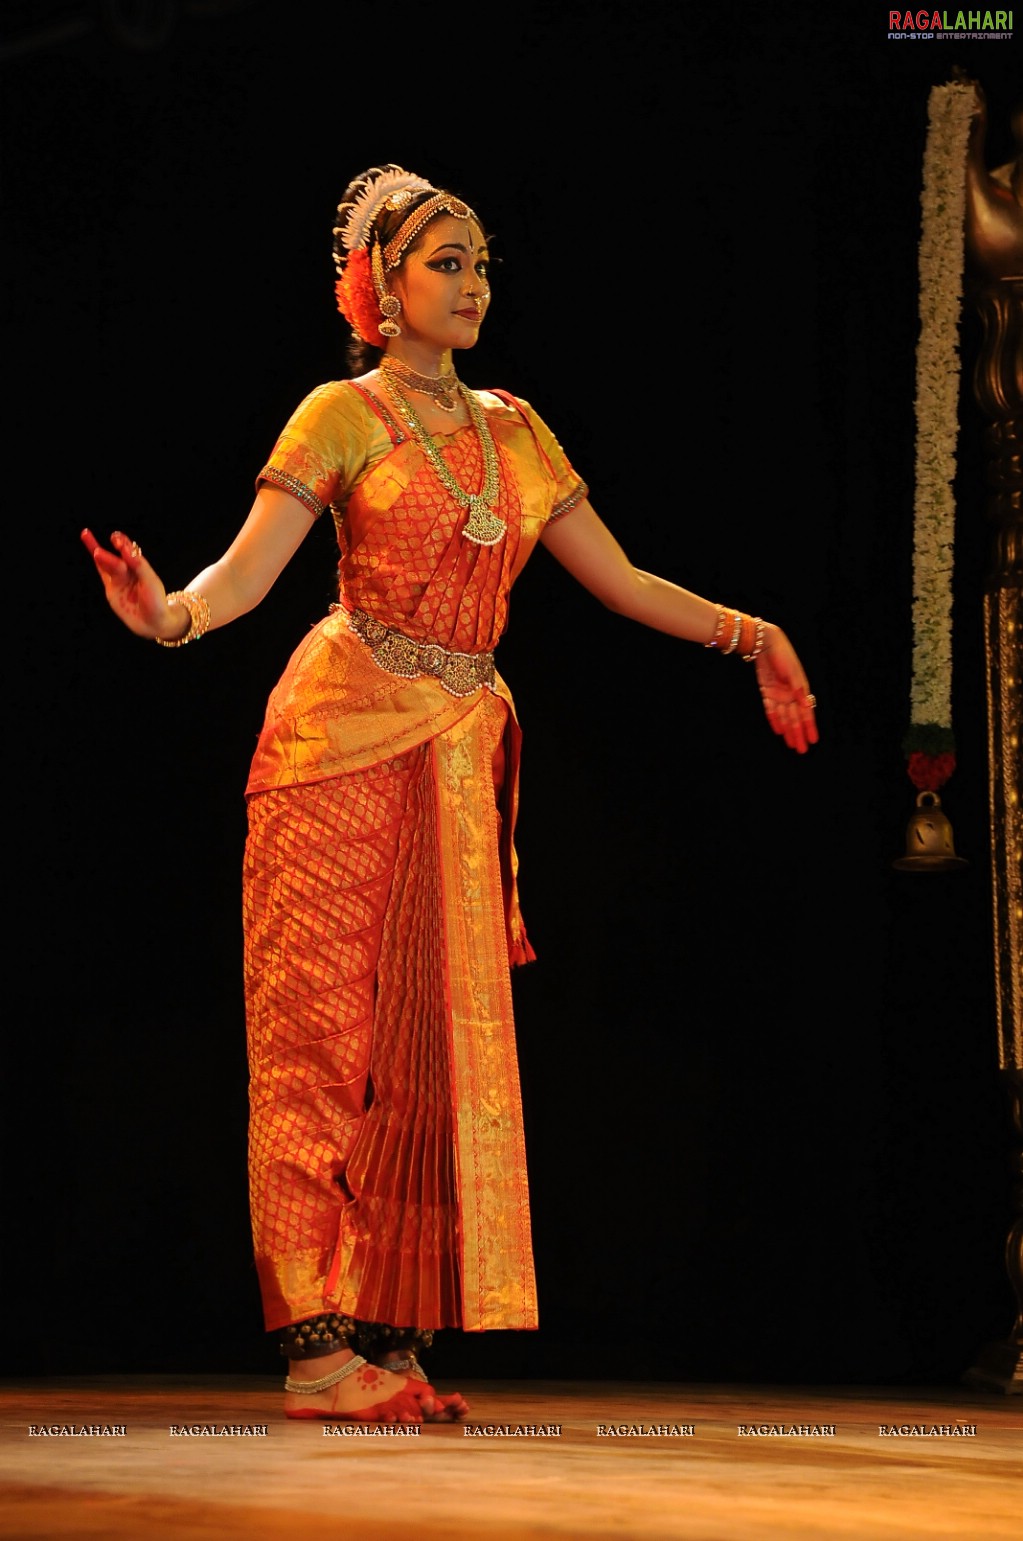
pixel 483 527
pixel 443 388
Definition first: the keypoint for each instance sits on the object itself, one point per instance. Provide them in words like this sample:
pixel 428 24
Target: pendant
pixel 444 401
pixel 483 527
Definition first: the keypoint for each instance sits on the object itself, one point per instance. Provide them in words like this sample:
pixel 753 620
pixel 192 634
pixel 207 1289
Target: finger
pixel 787 726
pixel 807 705
pixel 130 550
pixel 773 718
pixel 808 722
pixel 796 736
pixel 792 726
pixel 110 566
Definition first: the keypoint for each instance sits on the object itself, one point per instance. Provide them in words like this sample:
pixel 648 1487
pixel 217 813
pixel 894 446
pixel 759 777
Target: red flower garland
pixel 357 298
pixel 928 772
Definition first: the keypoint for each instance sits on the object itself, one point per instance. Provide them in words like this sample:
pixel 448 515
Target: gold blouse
pixel 404 562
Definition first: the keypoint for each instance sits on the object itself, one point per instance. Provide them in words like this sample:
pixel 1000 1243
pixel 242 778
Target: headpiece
pixel 362 264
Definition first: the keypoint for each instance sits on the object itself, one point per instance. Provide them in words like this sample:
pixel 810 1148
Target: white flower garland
pixel 950 110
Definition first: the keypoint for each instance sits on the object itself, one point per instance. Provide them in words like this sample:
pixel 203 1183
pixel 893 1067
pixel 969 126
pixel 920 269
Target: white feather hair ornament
pixel 364 209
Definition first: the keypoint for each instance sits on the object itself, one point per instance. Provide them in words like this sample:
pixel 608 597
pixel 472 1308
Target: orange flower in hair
pixel 357 299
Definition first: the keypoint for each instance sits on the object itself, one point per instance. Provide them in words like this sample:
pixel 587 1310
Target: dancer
pixel 387 1166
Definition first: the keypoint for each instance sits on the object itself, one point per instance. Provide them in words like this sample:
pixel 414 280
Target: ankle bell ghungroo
pixel 375 1339
pixel 317 1336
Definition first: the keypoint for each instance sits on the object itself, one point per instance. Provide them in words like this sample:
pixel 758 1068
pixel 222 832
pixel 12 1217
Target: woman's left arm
pixel 585 547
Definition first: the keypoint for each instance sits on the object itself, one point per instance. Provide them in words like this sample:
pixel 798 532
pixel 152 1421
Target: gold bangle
pixel 736 630
pixel 758 645
pixel 198 616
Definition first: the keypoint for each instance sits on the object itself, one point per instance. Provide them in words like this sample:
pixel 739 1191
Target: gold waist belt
pixel 459 673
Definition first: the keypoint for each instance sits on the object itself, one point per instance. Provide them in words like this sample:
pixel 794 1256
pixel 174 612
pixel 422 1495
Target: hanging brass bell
pixel 929 845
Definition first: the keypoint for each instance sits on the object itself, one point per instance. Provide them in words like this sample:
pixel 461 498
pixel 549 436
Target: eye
pixel 446 265
pixel 483 267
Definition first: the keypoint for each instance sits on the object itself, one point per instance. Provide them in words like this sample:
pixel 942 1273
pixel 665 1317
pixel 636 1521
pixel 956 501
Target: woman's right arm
pixel 275 528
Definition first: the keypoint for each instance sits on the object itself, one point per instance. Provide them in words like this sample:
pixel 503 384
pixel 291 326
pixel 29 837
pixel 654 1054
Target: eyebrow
pixel 459 246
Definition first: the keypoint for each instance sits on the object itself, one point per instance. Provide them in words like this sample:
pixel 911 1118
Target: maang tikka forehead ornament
pixel 362 264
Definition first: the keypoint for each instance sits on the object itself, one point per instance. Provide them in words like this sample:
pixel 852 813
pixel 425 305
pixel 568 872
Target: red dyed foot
pixel 436 1408
pixel 351 1399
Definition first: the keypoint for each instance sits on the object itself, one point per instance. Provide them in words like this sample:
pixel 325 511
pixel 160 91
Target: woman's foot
pixel 367 1394
pixel 436 1408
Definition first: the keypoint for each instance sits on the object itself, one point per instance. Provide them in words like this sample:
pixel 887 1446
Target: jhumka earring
pixel 390 305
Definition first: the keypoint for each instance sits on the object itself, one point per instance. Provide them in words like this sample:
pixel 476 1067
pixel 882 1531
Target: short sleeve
pixel 568 488
pixel 322 448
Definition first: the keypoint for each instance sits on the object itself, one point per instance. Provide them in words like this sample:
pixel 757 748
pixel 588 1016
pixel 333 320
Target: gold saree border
pixel 497 1277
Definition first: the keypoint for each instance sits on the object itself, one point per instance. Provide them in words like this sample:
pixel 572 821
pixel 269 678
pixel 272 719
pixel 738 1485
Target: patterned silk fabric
pixel 387 1165
pixel 333 709
pixel 404 556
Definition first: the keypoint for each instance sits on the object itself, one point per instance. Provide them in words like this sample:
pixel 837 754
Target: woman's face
pixel 444 286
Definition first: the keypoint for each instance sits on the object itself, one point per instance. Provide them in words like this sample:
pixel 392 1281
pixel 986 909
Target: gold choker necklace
pixel 443 388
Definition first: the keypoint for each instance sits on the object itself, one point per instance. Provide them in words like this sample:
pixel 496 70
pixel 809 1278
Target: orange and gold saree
pixel 387 1165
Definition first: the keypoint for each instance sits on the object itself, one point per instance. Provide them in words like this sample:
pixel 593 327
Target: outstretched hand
pixel 786 693
pixel 133 590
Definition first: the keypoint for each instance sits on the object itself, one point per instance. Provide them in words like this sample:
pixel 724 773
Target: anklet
pixel 310 1387
pixel 408 1366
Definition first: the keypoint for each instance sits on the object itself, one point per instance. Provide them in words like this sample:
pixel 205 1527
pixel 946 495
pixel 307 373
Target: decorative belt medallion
pixel 458 673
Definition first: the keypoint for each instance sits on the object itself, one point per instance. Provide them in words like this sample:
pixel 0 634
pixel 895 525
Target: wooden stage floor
pixel 677 1467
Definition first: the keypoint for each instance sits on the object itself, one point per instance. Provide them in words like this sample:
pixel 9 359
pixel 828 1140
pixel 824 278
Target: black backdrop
pixel 766 1135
